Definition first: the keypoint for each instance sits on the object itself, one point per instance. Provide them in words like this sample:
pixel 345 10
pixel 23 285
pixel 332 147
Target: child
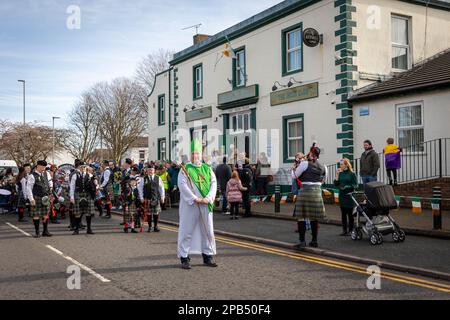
pixel 234 194
pixel 392 160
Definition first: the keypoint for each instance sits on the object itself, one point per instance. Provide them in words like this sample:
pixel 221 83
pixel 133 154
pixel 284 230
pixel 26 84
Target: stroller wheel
pixel 354 235
pixel 395 236
pixel 402 235
pixel 374 239
pixel 380 238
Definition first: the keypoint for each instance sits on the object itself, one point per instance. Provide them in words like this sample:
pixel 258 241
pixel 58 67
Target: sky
pixel 59 62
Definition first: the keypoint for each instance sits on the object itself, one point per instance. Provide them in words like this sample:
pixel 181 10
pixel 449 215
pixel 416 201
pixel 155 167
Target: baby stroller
pixel 372 214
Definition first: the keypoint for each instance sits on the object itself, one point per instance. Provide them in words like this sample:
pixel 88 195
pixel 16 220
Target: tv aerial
pixel 196 26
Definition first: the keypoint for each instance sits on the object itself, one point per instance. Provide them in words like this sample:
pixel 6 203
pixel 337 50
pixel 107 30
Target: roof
pixel 265 17
pixel 140 142
pixel 430 74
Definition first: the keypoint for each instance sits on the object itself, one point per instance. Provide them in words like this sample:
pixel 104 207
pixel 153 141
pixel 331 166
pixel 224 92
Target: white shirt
pixel 31 181
pixel 302 168
pixel 160 187
pixel 106 176
pixel 23 182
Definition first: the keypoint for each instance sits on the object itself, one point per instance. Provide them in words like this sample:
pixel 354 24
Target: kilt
pixel 77 210
pixel 130 211
pixel 309 204
pixel 149 209
pixel 109 193
pixel 39 210
pixel 21 201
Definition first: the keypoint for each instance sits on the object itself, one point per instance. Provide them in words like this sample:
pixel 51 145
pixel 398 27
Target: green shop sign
pixel 238 96
pixel 199 114
pixel 304 92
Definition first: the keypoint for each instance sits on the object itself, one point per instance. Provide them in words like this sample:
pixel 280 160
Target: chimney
pixel 200 38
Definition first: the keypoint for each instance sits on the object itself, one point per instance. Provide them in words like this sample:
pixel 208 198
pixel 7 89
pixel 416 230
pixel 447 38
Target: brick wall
pixel 424 189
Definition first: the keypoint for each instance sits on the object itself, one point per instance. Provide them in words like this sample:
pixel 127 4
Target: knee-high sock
pixel 301 230
pixel 314 230
pixel 21 211
pixel 89 222
pixel 36 226
pixel 155 219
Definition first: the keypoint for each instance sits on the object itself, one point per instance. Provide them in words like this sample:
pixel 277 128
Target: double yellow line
pixel 330 263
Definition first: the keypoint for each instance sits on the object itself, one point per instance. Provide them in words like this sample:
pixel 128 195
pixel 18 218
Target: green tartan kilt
pixel 39 210
pixel 309 204
pixel 130 211
pixel 87 211
pixel 150 210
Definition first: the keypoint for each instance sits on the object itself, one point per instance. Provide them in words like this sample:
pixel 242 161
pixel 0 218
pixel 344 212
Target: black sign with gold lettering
pixel 311 37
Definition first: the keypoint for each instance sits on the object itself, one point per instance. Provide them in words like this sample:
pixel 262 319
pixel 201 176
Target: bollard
pixel 437 210
pixel 277 198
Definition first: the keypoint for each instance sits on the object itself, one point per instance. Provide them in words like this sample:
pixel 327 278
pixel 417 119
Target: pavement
pixel 412 223
pixel 145 266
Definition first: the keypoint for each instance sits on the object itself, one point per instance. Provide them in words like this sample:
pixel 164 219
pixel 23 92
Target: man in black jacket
pixel 370 163
pixel 246 176
pixel 223 174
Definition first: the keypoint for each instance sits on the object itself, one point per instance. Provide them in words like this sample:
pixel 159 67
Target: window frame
pixel 249 121
pixel 402 46
pixel 159 148
pixel 195 81
pixel 286 120
pixel 398 128
pixel 161 110
pixel 235 67
pixel 284 49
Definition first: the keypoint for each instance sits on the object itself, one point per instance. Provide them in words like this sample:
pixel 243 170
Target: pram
pixel 372 214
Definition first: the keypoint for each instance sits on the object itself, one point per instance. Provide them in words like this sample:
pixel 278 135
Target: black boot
pixel 155 221
pixel 314 232
pixel 72 222
pixel 301 225
pixel 149 220
pixel 36 228
pixel 185 263
pixel 88 222
pixel 108 212
pixel 76 226
pixel 45 233
pixel 209 260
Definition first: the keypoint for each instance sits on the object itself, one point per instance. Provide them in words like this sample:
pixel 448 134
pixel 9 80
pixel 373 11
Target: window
pixel 198 81
pixel 410 126
pixel 162 155
pixel 141 155
pixel 239 75
pixel 240 122
pixel 199 134
pixel 293 131
pixel 292 49
pixel 400 43
pixel 161 110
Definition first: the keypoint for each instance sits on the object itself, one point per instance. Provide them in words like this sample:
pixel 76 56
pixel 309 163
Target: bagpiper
pixel 106 186
pixel 38 192
pixel 151 194
pixel 131 202
pixel 80 197
pixel 126 172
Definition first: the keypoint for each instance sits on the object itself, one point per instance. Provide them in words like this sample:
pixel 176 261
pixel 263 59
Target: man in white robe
pixel 198 187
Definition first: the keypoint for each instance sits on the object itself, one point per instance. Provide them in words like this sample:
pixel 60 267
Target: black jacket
pixel 223 174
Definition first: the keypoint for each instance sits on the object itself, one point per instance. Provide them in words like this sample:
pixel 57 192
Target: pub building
pixel 269 86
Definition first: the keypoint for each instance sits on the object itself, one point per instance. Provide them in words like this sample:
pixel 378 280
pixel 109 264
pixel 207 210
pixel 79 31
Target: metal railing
pixel 426 160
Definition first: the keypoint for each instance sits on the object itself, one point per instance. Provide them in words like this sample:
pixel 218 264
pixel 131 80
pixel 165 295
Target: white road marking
pixel 82 266
pixel 18 229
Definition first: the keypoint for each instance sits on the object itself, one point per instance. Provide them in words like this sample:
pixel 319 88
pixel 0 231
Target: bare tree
pixel 120 106
pixel 30 142
pixel 84 130
pixel 151 65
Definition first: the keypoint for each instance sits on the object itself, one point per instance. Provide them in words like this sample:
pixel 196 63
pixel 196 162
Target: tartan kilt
pixel 39 210
pixel 130 211
pixel 309 204
pixel 109 193
pixel 149 209
pixel 21 201
pixel 77 210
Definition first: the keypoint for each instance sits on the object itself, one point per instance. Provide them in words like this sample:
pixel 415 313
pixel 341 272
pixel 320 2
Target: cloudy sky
pixel 58 63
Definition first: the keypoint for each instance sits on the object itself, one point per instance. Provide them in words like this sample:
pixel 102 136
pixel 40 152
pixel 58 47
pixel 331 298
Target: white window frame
pixel 240 70
pixel 162 110
pixel 237 115
pixel 299 119
pixel 161 152
pixel 397 119
pixel 140 153
pixel 298 48
pixel 198 81
pixel 402 46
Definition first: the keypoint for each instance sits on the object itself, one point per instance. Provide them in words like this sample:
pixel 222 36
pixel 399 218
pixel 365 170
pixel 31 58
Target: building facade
pixel 278 91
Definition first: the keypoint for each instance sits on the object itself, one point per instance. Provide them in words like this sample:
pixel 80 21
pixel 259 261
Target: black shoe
pixel 76 232
pixel 149 230
pixel 125 230
pixel 89 231
pixel 37 235
pixel 313 244
pixel 209 260
pixel 300 245
pixel 156 229
pixel 185 264
pixel 133 231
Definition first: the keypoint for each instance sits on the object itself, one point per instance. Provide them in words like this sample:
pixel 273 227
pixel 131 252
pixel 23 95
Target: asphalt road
pixel 145 266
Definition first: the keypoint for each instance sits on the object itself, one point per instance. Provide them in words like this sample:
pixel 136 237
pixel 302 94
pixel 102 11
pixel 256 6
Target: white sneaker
pixel 227 213
pixel 120 208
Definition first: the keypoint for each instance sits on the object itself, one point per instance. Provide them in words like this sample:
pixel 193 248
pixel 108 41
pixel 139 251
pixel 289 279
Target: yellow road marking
pixel 331 263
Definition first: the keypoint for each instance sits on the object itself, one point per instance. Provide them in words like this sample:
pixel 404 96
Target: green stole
pixel 201 176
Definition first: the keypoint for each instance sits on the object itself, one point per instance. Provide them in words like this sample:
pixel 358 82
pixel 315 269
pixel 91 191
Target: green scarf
pixel 201 176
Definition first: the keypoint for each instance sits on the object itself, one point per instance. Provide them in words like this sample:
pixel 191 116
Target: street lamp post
pixel 53 138
pixel 23 82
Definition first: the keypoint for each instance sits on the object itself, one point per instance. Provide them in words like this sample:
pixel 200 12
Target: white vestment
pixel 196 231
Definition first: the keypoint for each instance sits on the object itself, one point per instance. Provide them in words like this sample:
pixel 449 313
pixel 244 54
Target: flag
pixel 416 205
pixel 326 192
pixel 264 198
pixel 272 199
pixel 336 195
pixel 283 199
pixel 228 51
pixel 397 199
pixel 435 206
